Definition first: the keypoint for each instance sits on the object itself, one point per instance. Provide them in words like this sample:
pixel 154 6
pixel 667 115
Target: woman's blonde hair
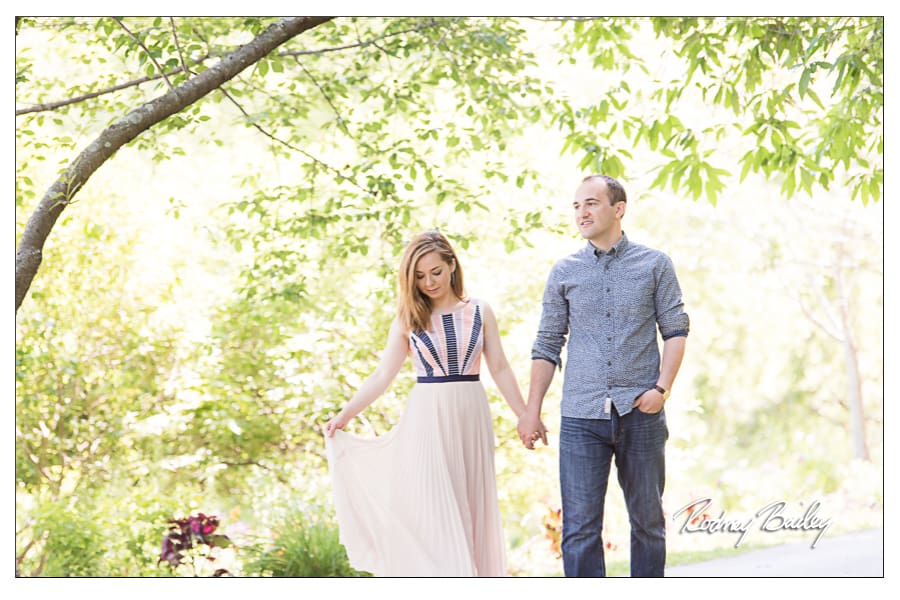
pixel 415 308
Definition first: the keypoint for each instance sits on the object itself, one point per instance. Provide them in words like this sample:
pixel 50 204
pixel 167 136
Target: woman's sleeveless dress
pixel 421 500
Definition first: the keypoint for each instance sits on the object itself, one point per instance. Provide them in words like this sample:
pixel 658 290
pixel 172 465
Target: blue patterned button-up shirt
pixel 609 304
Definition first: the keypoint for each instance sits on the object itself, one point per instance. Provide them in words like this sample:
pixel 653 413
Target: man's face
pixel 594 216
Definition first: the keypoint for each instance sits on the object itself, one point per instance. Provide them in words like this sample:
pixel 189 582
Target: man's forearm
pixel 541 376
pixel 673 352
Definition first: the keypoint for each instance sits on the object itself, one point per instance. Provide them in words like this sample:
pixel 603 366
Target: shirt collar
pixel 617 249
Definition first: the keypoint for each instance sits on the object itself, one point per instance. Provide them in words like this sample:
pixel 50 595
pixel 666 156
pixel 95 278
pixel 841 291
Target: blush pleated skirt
pixel 421 500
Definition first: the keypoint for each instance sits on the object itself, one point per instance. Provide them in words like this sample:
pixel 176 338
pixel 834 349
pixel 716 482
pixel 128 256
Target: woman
pixel 421 500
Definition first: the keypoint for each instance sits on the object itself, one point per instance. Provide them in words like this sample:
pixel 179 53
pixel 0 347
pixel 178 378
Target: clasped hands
pixel 531 429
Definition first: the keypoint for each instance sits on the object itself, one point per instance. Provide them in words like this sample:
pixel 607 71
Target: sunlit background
pixel 206 304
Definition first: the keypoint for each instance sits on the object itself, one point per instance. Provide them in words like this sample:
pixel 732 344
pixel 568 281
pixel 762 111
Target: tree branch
pixel 29 254
pixel 815 321
pixel 273 137
pixel 359 38
pixel 21 557
pixel 362 44
pixel 43 562
pixel 144 48
pixel 340 119
pixel 449 56
pixel 121 86
pixel 32 456
pixel 178 46
pixel 566 19
pixel 60 103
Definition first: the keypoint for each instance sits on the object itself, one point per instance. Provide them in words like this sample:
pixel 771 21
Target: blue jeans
pixel 586 448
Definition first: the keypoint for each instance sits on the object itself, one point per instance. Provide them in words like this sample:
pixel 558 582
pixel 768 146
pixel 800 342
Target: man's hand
pixel 530 429
pixel 650 402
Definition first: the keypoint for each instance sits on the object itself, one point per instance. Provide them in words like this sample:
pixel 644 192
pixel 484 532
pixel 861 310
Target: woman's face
pixel 433 277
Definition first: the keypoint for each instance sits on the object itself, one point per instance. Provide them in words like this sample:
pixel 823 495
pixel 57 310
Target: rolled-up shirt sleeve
pixel 554 325
pixel 671 318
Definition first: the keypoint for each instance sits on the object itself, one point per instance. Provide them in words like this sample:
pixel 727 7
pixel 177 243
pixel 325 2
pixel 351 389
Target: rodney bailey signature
pixel 772 520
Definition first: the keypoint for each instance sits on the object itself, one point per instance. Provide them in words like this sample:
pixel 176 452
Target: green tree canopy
pixel 140 394
pixel 801 97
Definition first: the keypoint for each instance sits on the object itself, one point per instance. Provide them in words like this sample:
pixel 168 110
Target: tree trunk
pixel 125 129
pixel 854 396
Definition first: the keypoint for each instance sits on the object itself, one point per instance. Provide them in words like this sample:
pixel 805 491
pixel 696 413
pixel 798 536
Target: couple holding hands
pixel 421 500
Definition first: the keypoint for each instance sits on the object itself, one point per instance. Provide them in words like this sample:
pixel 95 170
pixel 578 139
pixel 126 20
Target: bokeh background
pixel 222 285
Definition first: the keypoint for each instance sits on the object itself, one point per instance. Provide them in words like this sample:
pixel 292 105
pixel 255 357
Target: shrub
pixel 73 544
pixel 304 546
pixel 185 540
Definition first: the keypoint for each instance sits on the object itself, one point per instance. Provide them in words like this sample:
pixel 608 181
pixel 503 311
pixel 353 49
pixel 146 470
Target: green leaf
pixel 815 98
pixel 790 184
pixel 875 188
pixel 662 177
pixel 219 541
pixel 612 166
pixel 804 81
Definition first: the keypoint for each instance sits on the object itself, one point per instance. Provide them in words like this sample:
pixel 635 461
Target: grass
pixel 303 547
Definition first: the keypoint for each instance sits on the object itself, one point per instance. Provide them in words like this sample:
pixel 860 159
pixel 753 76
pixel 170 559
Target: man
pixel 609 297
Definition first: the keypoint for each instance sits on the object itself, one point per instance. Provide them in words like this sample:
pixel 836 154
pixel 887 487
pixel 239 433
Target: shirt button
pixel 607 314
pixel 608 338
pixel 607 289
pixel 609 363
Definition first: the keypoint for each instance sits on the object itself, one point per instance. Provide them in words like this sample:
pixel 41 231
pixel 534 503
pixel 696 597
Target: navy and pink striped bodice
pixel 452 346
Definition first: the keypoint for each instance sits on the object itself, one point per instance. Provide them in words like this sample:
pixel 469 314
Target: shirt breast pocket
pixel 638 293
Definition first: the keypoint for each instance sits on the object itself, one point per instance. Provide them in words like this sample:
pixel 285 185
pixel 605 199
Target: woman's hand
pixel 339 421
pixel 375 385
pixel 531 429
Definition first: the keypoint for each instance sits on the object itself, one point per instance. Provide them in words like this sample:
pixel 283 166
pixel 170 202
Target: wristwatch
pixel 661 390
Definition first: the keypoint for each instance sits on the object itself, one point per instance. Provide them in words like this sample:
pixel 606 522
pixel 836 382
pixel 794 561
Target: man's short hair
pixel 616 191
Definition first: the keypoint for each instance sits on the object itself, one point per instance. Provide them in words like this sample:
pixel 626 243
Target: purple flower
pixel 183 533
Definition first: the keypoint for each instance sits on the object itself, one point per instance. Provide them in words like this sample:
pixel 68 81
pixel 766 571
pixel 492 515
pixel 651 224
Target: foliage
pixel 479 59
pixel 195 354
pixel 304 546
pixel 85 370
pixel 94 368
pixel 801 97
pixel 72 543
pixel 184 541
pixel 133 514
